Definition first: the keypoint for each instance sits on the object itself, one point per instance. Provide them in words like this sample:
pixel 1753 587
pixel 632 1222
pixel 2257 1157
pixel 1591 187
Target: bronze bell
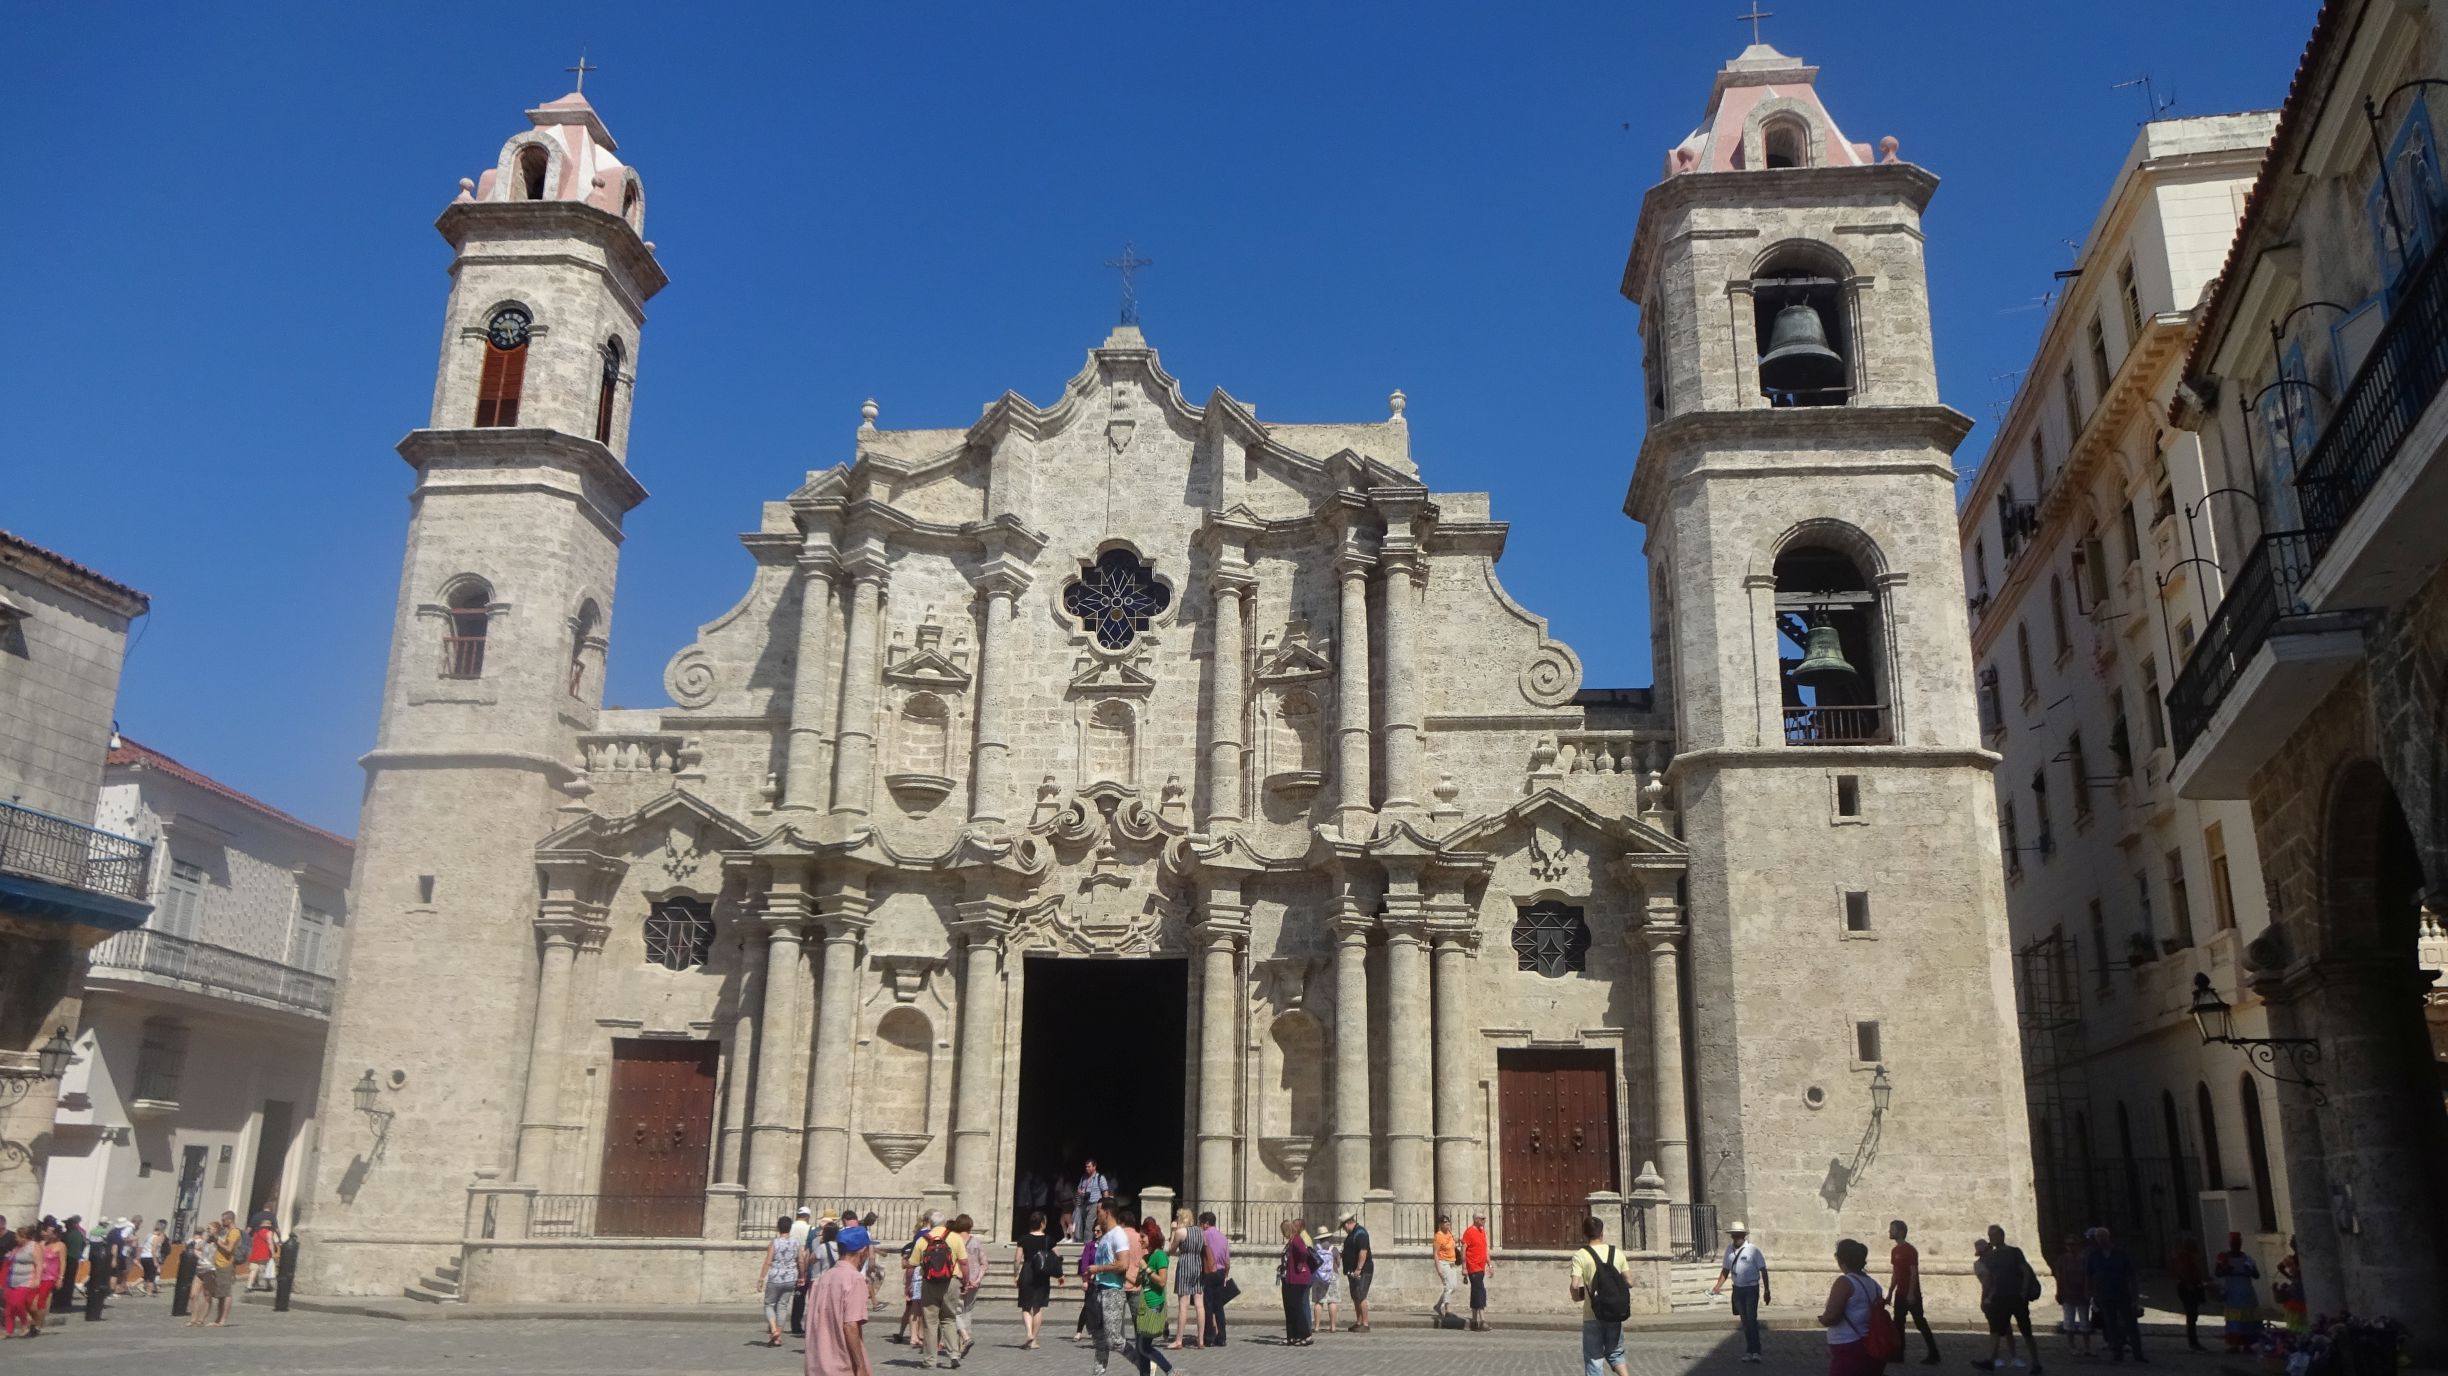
pixel 1823 662
pixel 1798 357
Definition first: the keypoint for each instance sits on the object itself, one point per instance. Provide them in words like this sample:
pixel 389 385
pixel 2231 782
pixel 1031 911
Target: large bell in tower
pixel 1823 662
pixel 1798 357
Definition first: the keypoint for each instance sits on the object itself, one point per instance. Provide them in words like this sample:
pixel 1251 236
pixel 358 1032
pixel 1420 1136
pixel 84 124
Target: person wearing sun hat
pixel 837 1310
pixel 1747 1267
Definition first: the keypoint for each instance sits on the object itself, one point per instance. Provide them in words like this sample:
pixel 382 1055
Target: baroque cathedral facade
pixel 1125 776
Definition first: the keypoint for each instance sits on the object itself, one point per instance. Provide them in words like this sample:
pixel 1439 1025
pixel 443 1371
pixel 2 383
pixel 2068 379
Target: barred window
pixel 679 933
pixel 1552 939
pixel 1115 597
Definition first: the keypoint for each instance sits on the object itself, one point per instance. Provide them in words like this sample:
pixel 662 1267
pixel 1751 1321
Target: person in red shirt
pixel 1474 1266
pixel 1904 1286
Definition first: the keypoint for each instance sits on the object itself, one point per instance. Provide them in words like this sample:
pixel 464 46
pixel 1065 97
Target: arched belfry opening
pixel 1784 142
pixel 1802 310
pixel 1831 649
pixel 533 162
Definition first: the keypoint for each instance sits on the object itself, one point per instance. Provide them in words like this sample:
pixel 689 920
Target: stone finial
pixel 467 190
pixel 1447 792
pixel 1543 758
pixel 867 414
pixel 1887 149
pixel 1396 403
pixel 767 792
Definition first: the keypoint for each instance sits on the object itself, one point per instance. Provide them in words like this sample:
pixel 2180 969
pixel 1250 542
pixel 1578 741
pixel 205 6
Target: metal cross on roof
pixel 1754 17
pixel 582 69
pixel 1127 264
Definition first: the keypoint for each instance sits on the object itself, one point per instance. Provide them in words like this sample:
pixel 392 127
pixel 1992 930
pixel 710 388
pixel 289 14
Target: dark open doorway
pixel 1103 1044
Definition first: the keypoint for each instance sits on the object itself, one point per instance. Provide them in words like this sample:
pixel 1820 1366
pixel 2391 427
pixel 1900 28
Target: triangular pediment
pixel 1549 810
pixel 927 669
pixel 595 831
pixel 1113 676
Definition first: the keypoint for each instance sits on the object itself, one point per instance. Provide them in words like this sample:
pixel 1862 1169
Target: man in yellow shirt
pixel 1449 1268
pixel 1602 1318
pixel 939 1257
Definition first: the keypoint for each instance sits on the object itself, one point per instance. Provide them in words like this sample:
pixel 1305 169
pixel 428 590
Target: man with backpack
pixel 939 1257
pixel 1604 1289
pixel 2008 1286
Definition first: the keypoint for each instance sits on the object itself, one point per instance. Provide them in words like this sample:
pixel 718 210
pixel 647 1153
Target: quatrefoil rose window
pixel 1115 597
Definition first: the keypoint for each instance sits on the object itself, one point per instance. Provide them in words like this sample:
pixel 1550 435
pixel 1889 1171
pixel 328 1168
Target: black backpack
pixel 1610 1295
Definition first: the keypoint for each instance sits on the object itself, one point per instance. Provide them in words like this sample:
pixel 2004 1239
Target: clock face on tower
pixel 508 327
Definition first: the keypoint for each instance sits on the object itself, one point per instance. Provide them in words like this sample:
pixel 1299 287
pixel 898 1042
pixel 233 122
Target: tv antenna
pixel 2150 96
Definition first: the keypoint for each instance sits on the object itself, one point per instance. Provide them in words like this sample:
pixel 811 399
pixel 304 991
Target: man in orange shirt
pixel 1474 1266
pixel 1904 1286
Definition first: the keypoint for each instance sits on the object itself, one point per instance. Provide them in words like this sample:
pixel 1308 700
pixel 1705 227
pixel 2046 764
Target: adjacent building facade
pixel 65 885
pixel 201 1041
pixel 2093 561
pixel 1127 748
pixel 2315 691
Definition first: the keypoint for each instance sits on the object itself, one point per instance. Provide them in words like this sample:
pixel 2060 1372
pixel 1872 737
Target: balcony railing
pixel 2267 588
pixel 1855 724
pixel 215 968
pixel 2396 384
pixel 64 852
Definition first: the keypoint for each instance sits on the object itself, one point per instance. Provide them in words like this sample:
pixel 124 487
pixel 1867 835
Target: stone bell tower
pixel 496 664
pixel 1853 1005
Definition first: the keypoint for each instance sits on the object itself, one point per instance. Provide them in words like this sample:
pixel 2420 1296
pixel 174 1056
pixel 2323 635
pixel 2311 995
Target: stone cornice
pixel 1800 429
pixel 67 575
pixel 1754 187
pixel 514 221
pixel 494 449
pixel 1788 756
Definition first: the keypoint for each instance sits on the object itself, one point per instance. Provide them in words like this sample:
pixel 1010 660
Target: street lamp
pixel 2216 1019
pixel 55 1055
pixel 368 1094
pixel 1881 1090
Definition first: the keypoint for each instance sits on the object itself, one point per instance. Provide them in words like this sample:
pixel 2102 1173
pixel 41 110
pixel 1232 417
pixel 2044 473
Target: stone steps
pixel 442 1287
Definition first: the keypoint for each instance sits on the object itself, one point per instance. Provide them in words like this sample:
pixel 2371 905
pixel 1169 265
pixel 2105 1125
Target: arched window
pixel 1112 738
pixel 1114 597
pixel 926 734
pixel 533 161
pixel 1832 649
pixel 612 353
pixel 2214 1166
pixel 470 614
pixel 2256 1147
pixel 1552 939
pixel 679 933
pixel 1801 311
pixel 581 632
pixel 2177 1184
pixel 1785 142
pixel 505 366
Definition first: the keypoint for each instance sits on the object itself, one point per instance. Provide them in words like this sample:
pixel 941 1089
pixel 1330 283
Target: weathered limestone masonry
pixel 1798 998
pixel 1237 708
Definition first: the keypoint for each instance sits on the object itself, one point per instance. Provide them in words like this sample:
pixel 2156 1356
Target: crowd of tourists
pixel 53 1266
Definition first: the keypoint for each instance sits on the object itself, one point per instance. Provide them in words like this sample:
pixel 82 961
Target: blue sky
pixel 226 288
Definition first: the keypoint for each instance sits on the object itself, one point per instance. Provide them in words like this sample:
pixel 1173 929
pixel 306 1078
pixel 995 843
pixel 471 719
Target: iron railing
pixel 2399 378
pixel 216 968
pixel 42 846
pixel 463 656
pixel 896 1217
pixel 1256 1226
pixel 2266 589
pixel 1861 724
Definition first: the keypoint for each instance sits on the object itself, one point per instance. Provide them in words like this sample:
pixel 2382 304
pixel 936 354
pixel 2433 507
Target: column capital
pixel 1232 580
pixel 1351 563
pixel 868 564
pixel 1403 561
pixel 819 561
pixel 1351 923
pixel 1406 929
pixel 579 928
pixel 1224 925
pixel 1661 925
pixel 1001 577
pixel 984 922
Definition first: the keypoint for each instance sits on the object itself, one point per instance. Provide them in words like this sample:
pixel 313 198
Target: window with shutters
pixel 680 933
pixel 2072 397
pixel 2131 296
pixel 161 1061
pixel 182 900
pixel 2096 340
pixel 308 937
pixel 604 397
pixel 465 623
pixel 2180 898
pixel 505 367
pixel 1551 939
pixel 2222 885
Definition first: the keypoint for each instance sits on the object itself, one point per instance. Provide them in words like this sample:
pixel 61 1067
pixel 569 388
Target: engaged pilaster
pixel 775 1115
pixel 1405 574
pixel 1461 1174
pixel 983 928
pixel 862 670
pixel 1001 582
pixel 842 914
pixel 1409 1112
pixel 1352 1129
pixel 1662 932
pixel 1354 816
pixel 1219 937
pixel 807 774
pixel 1231 585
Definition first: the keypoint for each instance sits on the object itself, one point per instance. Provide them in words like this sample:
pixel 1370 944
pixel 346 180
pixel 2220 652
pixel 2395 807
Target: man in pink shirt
pixel 837 1311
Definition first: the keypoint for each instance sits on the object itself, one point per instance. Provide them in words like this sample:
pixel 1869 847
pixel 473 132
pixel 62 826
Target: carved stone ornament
pixel 897 1149
pixel 690 678
pixel 1552 676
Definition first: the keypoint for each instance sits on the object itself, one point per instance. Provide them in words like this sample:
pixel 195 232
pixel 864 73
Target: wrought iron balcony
pixel 215 969
pixel 2399 379
pixel 58 851
pixel 1853 724
pixel 2267 590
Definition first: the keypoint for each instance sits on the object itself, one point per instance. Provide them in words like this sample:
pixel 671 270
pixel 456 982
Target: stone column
pixel 1404 678
pixel 1225 926
pixel 775 1114
pixel 1460 1175
pixel 1227 713
pixel 1663 933
pixel 977 1076
pixel 1352 1131
pixel 1408 1106
pixel 844 918
pixel 862 670
pixel 807 774
pixel 1353 814
pixel 540 1123
pixel 990 773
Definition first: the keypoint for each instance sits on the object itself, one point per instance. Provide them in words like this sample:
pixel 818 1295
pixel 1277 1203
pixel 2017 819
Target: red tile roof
pixel 138 756
pixel 8 539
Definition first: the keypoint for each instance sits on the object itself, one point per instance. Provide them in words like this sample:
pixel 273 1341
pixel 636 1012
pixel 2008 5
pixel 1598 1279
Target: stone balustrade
pixel 1612 752
pixel 633 752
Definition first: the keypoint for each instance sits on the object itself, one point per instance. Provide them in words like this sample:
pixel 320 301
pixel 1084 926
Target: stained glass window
pixel 679 933
pixel 1115 597
pixel 1551 939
